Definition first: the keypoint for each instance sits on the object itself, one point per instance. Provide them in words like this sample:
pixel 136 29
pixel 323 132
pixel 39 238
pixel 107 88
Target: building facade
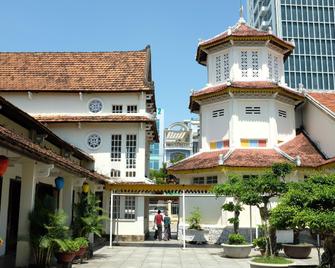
pixel 157 148
pixel 181 140
pixel 250 119
pixel 311 25
pixel 101 102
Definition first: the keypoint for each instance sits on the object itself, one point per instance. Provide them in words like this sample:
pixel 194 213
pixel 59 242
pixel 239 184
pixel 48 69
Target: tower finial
pixel 241 20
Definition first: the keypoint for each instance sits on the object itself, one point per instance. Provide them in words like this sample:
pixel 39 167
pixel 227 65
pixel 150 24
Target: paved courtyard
pixel 169 254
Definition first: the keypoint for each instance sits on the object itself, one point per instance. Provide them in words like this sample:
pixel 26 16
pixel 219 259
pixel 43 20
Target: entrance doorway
pixel 13 215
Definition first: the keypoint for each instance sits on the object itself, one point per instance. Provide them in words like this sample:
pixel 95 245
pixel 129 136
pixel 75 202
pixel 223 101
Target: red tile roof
pixel 260 158
pixel 241 31
pixel 303 147
pixel 76 71
pixel 92 118
pixel 327 99
pixel 21 144
pixel 252 85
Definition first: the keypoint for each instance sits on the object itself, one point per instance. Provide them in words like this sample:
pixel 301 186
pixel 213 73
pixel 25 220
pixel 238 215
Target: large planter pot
pixel 236 251
pixel 196 236
pixel 65 257
pixel 268 265
pixel 81 252
pixel 298 251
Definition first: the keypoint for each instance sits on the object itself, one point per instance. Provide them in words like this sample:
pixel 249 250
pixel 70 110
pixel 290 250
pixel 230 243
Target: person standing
pixel 167 227
pixel 158 222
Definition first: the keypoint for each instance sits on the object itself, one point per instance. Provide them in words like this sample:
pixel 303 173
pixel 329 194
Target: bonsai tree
pixel 194 219
pixel 311 204
pixel 232 188
pixel 259 191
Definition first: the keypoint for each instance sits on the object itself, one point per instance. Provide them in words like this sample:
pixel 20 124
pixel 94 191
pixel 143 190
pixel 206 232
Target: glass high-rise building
pixel 157 149
pixel 311 25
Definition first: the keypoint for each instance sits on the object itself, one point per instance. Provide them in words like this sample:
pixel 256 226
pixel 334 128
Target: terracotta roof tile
pixel 93 118
pixel 299 146
pixel 75 71
pixel 327 99
pixel 21 144
pixel 241 31
pixel 303 147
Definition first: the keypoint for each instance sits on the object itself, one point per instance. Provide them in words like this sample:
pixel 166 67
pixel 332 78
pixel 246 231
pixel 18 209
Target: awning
pixel 159 188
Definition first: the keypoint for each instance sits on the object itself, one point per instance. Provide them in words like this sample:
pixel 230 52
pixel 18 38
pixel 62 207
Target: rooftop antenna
pixel 241 20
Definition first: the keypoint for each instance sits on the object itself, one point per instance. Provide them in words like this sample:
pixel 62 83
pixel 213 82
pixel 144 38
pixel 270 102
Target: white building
pixel 36 157
pixel 250 119
pixel 101 102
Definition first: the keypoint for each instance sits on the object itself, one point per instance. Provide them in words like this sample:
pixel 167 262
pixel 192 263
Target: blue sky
pixel 172 28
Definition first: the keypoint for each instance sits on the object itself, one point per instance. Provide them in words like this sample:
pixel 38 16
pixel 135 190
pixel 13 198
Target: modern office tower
pixel 311 25
pixel 157 149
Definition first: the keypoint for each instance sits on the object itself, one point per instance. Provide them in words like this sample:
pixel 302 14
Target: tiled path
pixel 154 254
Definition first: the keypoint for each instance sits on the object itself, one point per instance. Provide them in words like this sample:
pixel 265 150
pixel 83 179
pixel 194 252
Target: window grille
pixel 116 207
pixel 270 62
pixel 255 67
pixel 130 174
pixel 115 173
pixel 282 113
pixel 131 151
pixel 129 208
pixel 95 106
pixel 116 147
pixel 199 180
pixel 244 63
pixel 94 141
pixel 218 68
pixel 117 109
pixel 276 68
pixel 131 109
pixel 212 180
pixel 252 110
pixel 226 67
pixel 218 113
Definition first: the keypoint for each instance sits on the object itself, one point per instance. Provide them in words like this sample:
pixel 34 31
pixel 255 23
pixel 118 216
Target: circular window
pixel 94 141
pixel 95 106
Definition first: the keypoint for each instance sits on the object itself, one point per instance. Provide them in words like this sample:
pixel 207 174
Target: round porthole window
pixel 94 141
pixel 95 106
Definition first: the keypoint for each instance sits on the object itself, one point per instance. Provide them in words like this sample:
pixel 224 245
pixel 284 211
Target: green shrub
pixel 194 219
pixel 272 260
pixel 67 245
pixel 259 242
pixel 236 239
pixel 82 242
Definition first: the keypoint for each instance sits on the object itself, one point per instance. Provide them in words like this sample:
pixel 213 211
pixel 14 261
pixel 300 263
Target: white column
pixel 67 197
pixel 140 156
pixel 4 211
pixel 27 199
pixel 233 124
pixel 273 131
pixel 184 227
pixel 111 222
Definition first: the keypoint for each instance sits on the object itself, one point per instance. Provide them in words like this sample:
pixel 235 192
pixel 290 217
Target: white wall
pixel 102 155
pixel 71 103
pixel 320 127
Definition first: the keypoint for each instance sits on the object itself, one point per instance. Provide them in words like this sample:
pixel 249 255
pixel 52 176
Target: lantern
pixel 59 182
pixel 3 164
pixel 86 187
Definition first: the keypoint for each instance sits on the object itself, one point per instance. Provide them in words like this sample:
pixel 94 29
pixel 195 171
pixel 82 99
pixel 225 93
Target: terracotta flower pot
pixel 65 257
pixel 81 252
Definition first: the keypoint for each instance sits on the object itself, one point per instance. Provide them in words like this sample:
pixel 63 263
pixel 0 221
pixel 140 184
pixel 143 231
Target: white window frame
pixel 87 140
pixel 129 207
pixel 117 111
pixel 131 151
pixel 249 65
pixel 132 109
pixel 116 148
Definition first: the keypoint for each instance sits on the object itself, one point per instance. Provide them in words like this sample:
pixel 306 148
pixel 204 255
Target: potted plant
pixel 315 202
pixel 66 250
pixel 237 246
pixel 258 191
pixel 83 245
pixel 1 242
pixel 194 233
pixel 260 243
pixel 287 216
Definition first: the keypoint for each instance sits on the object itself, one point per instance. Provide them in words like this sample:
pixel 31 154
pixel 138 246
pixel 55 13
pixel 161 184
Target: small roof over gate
pixel 159 188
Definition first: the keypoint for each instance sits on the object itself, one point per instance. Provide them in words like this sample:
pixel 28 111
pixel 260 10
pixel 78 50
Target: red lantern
pixel 3 164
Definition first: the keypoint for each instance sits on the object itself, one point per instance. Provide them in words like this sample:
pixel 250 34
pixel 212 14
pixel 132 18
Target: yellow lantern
pixel 86 187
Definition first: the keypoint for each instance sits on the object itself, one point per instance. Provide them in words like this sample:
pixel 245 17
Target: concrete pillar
pixel 4 211
pixel 67 197
pixel 26 205
pixel 169 209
